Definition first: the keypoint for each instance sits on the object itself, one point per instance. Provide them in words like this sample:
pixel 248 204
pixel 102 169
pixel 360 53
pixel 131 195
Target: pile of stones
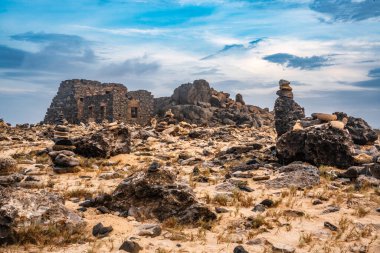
pixel 62 155
pixel 286 111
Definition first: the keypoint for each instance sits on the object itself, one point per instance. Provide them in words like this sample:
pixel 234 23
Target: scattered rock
pixel 66 161
pixel 260 178
pixel 151 230
pixel 331 209
pixel 259 208
pixel 240 249
pixel 324 117
pixel 293 213
pixel 130 246
pixel 103 209
pixel 282 248
pixel 101 231
pixel 330 226
pixel 317 202
pixel 221 210
pixel 267 202
pixel 154 167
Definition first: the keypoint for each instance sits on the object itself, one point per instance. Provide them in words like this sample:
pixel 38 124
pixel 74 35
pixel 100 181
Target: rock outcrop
pixel 286 110
pixel 318 145
pixel 156 194
pixel 360 131
pixel 21 208
pixel 200 104
pixel 192 93
pixel 111 141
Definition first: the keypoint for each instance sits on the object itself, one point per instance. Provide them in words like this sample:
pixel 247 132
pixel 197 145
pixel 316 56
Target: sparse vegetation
pixel 51 234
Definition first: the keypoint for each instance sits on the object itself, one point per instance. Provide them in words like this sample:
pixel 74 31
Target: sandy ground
pixel 304 234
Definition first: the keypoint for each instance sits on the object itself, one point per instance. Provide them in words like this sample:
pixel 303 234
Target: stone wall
pixel 98 108
pixel 81 100
pixel 140 106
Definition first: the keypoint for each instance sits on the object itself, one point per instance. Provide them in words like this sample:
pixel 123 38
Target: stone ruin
pixel 80 100
pixel 87 101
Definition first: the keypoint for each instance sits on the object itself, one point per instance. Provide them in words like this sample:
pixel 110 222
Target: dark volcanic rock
pixel 297 175
pixel 240 249
pixel 104 143
pixel 319 145
pixel 360 131
pixel 101 231
pixel 156 195
pixel 130 246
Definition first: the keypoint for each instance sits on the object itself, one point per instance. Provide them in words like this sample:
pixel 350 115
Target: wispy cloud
pixel 304 63
pixel 234 48
pixel 347 10
pixel 125 31
pixel 135 66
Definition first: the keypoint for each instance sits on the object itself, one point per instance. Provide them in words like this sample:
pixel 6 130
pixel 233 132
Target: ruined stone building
pixel 86 101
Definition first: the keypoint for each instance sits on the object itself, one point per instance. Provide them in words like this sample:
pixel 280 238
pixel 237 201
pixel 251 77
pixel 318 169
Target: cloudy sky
pixel 328 49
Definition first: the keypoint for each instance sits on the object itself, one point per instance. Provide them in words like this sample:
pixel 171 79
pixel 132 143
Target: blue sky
pixel 328 49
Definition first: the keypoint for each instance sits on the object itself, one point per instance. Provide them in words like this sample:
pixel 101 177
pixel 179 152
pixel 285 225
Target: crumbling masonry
pixel 87 101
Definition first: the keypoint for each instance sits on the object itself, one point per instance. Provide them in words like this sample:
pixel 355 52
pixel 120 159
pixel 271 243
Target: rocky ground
pixel 181 188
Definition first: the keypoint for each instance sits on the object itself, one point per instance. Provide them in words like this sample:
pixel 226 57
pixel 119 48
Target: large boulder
pixel 299 175
pixel 319 145
pixel 22 208
pixel 192 113
pixel 360 131
pixel 104 143
pixel 155 194
pixel 192 93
